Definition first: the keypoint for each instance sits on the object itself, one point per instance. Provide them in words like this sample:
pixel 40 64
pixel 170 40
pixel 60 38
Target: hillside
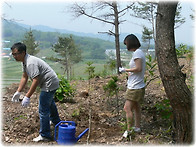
pixel 101 36
pixel 92 48
pixel 21 125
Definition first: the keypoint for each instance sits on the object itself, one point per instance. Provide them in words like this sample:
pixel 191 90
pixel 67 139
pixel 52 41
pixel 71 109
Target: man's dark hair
pixel 132 42
pixel 20 46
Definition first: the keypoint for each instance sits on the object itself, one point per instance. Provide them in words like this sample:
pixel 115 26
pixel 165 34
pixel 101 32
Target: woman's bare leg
pixel 128 108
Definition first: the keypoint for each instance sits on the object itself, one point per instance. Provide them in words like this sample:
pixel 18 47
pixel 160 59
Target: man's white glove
pixel 16 97
pixel 122 69
pixel 25 101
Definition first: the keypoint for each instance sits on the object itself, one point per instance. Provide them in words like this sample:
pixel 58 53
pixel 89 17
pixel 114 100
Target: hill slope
pixel 90 46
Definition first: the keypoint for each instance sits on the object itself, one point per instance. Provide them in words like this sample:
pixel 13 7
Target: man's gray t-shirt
pixel 33 66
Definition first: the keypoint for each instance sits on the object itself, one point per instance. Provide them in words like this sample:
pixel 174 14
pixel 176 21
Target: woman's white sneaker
pixel 126 133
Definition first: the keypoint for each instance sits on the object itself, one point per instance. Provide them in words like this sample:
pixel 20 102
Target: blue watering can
pixel 66 133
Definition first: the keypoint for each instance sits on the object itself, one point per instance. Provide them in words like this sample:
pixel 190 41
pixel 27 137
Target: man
pixel 42 75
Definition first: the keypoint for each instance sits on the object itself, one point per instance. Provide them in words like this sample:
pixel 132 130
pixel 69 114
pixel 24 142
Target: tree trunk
pixel 172 77
pixel 67 68
pixel 116 22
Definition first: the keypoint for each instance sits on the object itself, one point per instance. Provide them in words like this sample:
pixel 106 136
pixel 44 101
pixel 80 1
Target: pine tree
pixel 30 43
pixel 68 52
pixel 147 36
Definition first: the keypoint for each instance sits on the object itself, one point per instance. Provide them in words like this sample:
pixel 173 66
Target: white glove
pixel 25 101
pixel 16 97
pixel 122 69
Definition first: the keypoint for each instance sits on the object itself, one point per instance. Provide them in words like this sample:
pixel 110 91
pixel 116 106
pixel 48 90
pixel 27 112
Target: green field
pixel 12 70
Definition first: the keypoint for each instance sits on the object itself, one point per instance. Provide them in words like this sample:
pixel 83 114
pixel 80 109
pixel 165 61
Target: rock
pixel 84 93
pixel 6 138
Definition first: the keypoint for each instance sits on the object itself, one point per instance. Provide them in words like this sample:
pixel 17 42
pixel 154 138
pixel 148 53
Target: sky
pixel 54 13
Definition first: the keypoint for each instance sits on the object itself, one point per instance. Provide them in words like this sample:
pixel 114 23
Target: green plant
pixel 111 65
pixel 151 65
pixel 112 89
pixel 147 138
pixel 76 113
pixel 123 126
pixel 182 50
pixel 90 70
pixel 104 72
pixel 190 83
pixel 164 108
pixel 20 117
pixel 65 90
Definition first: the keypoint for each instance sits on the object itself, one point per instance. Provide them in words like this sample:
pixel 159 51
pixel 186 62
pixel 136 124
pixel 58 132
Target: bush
pixel 182 50
pixel 164 108
pixel 65 92
pixel 111 88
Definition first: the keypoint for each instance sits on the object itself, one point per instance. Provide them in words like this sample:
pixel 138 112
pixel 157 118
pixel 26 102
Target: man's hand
pixel 122 69
pixel 25 101
pixel 16 97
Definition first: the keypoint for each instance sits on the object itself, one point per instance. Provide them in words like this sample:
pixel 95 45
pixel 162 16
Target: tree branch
pixel 94 17
pixel 109 33
pixel 128 7
pixel 80 10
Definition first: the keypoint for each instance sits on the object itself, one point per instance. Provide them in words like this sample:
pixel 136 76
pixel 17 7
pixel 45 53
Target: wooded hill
pixel 92 48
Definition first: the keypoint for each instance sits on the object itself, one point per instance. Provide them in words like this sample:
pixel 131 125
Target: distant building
pixel 6 48
pixel 125 55
pixel 111 53
pixel 6 52
pixel 6 41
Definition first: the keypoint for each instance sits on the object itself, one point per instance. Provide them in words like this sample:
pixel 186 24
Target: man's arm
pixel 23 81
pixel 33 87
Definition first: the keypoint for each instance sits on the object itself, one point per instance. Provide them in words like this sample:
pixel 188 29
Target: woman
pixel 135 84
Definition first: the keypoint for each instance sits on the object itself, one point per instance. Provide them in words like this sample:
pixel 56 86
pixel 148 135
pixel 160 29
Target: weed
pixel 76 113
pixel 123 126
pixel 20 117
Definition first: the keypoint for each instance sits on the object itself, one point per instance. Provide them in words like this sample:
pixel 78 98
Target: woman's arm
pixel 138 66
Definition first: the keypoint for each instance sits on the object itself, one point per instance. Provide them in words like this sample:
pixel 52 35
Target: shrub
pixel 65 90
pixel 182 50
pixel 111 88
pixel 164 108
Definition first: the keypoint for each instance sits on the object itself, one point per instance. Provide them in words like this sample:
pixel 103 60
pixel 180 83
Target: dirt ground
pixel 20 125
